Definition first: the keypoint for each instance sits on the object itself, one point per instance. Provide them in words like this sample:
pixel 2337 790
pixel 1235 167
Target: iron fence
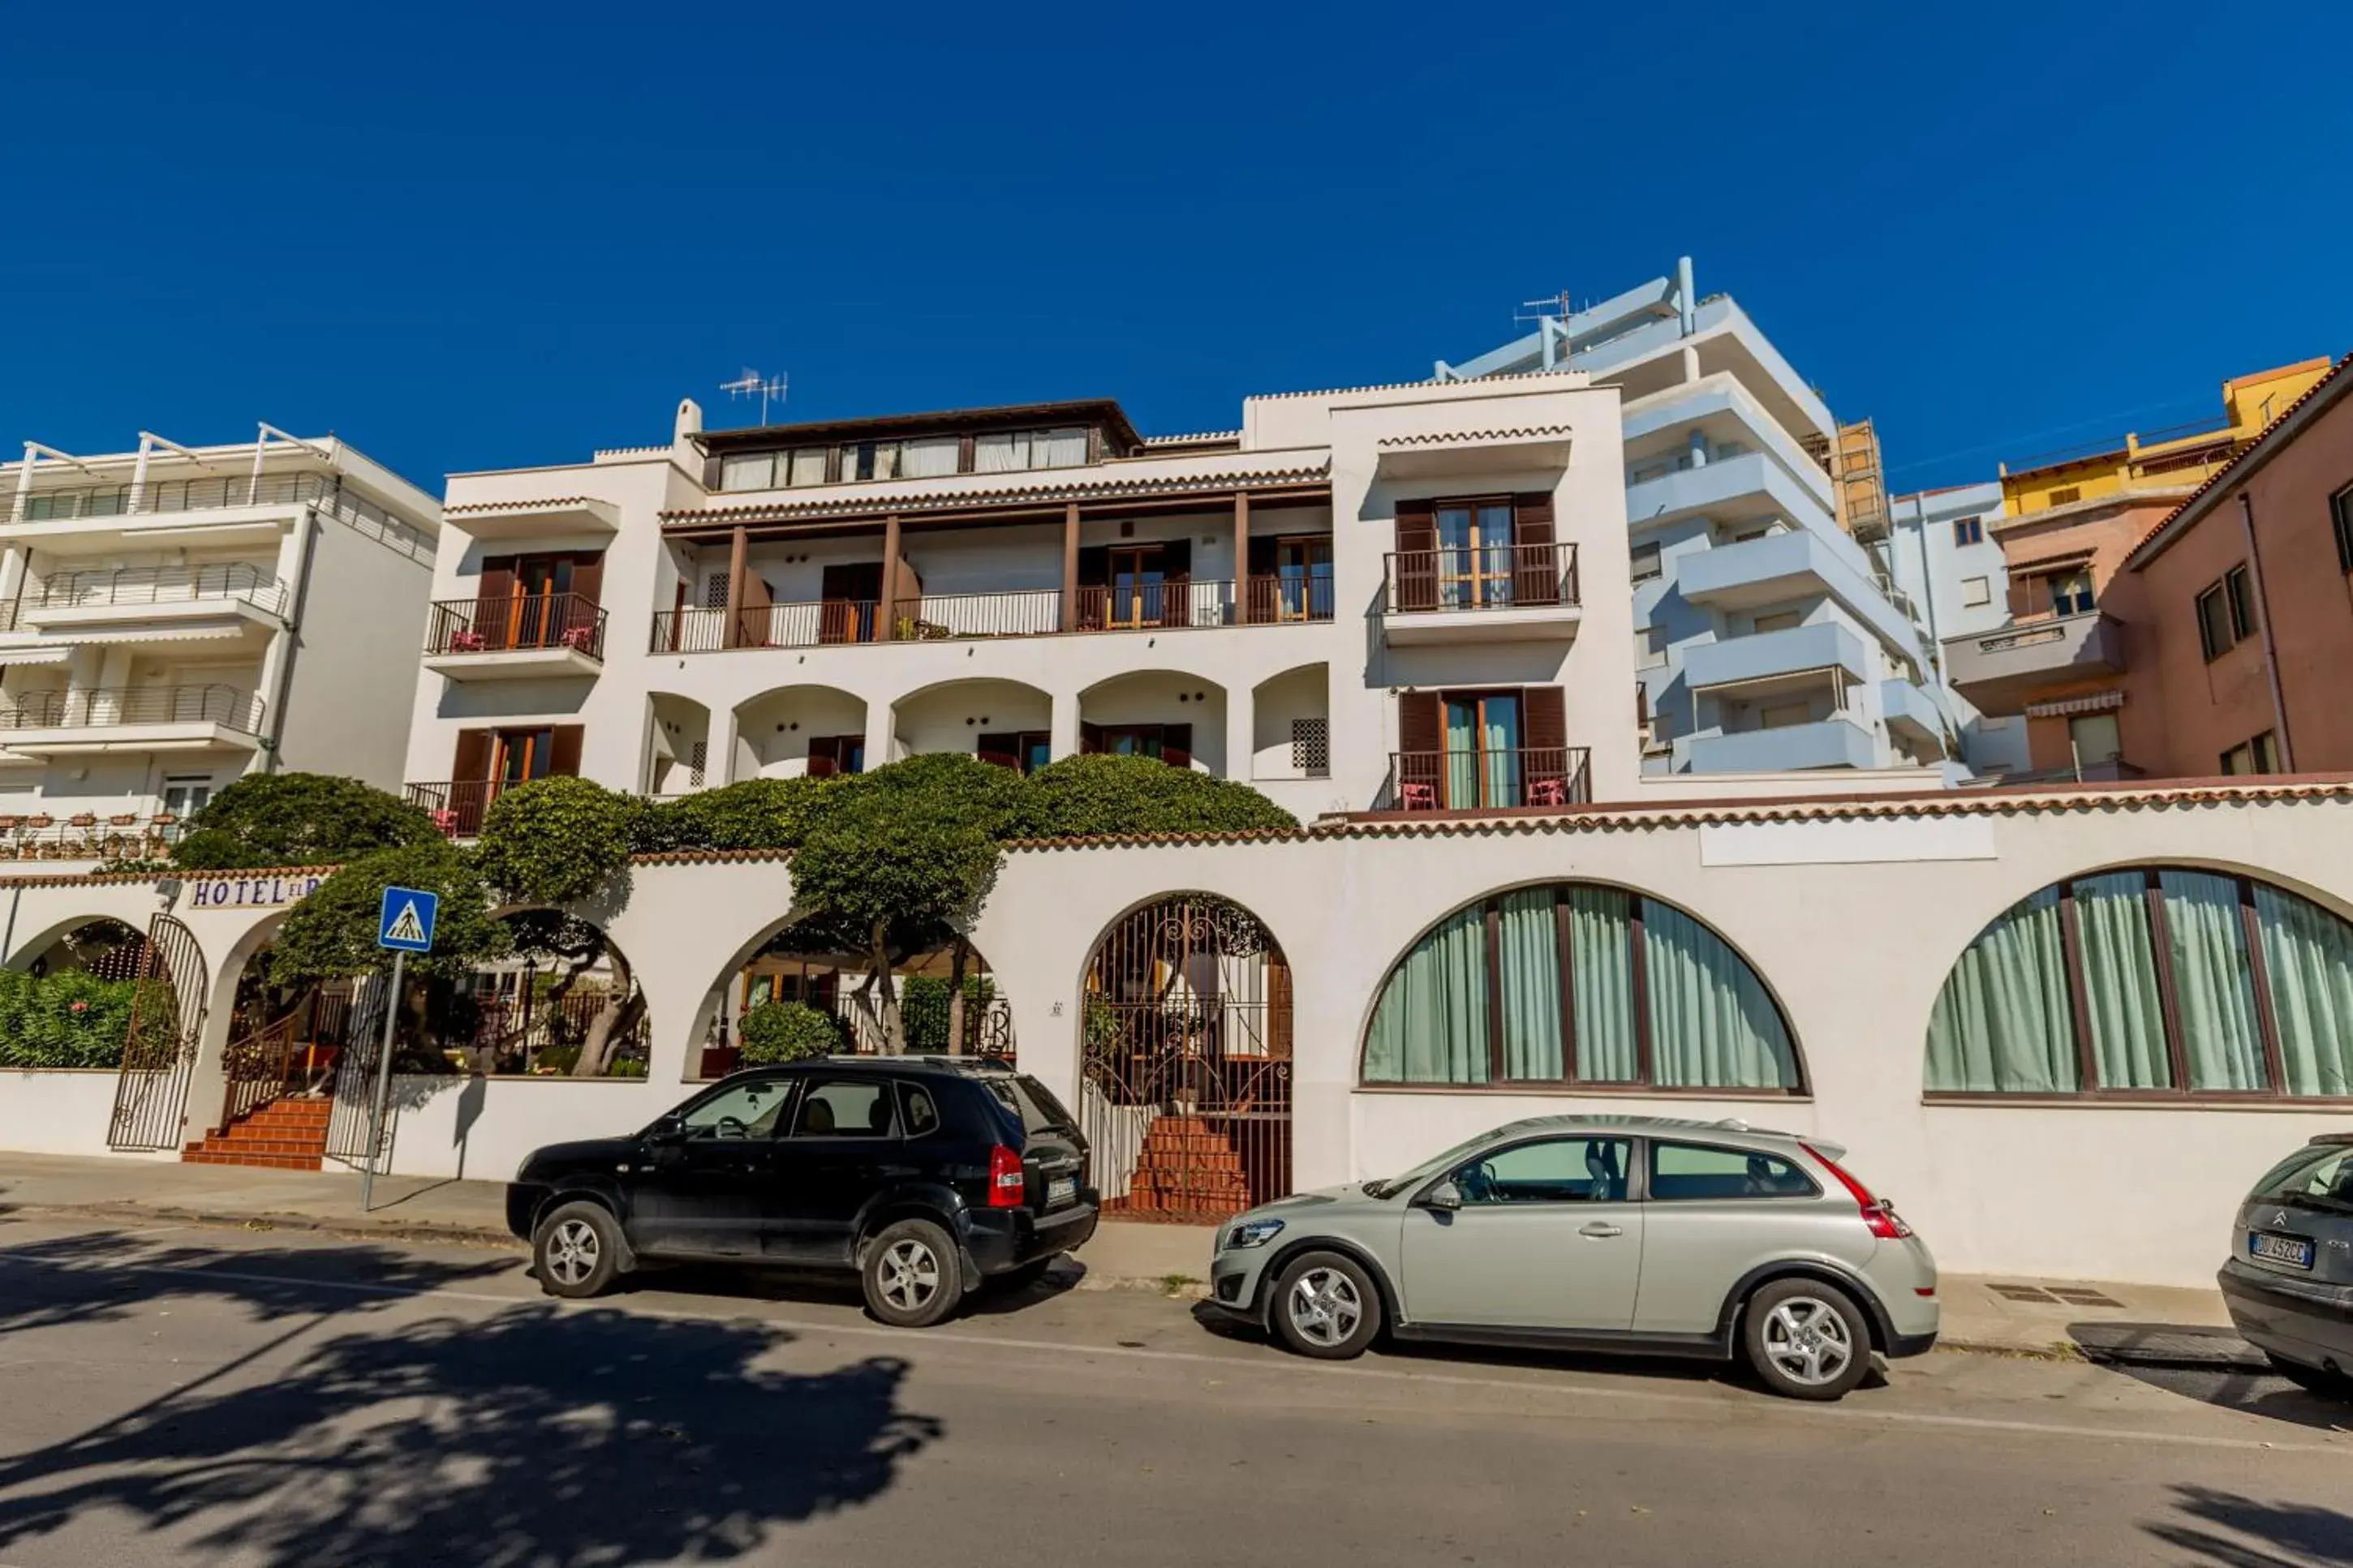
pixel 522 621
pixel 1485 778
pixel 160 585
pixel 104 707
pixel 1481 577
pixel 457 806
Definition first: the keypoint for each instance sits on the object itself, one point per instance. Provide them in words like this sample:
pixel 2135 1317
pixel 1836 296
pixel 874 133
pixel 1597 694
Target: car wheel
pixel 914 1275
pixel 577 1250
pixel 1022 1278
pixel 1806 1339
pixel 1326 1306
pixel 2312 1379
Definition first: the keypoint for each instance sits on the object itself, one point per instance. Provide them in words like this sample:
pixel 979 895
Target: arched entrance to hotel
pixel 798 966
pixel 1184 1076
pixel 168 1020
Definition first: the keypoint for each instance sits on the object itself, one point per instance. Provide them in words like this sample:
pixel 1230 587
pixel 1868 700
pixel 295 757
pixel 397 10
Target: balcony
pixel 457 806
pixel 151 604
pixel 1839 742
pixel 1504 592
pixel 2002 671
pixel 1912 715
pixel 1490 780
pixel 1798 564
pixel 1193 604
pixel 132 718
pixel 528 635
pixel 218 510
pixel 559 517
pixel 1764 663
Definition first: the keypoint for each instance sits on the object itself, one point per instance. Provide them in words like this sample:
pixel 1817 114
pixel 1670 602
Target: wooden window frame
pixel 1478 577
pixel 2160 938
pixel 1967 531
pixel 2210 633
pixel 1643 1082
pixel 1479 695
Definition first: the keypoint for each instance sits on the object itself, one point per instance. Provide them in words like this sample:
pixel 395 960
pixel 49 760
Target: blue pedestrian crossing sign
pixel 407 922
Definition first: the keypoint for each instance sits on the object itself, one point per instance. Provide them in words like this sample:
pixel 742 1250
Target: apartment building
pixel 1362 599
pixel 2059 657
pixel 1766 637
pixel 173 617
pixel 1944 557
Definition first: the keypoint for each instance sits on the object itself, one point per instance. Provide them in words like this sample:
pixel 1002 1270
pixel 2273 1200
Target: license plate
pixel 2295 1251
pixel 1061 1190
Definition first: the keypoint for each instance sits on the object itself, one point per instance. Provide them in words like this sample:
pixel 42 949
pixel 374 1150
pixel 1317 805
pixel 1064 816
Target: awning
pixel 2046 563
pixel 2097 702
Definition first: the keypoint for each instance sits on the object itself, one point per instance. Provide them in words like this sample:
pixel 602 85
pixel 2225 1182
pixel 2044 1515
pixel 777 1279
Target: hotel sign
pixel 249 892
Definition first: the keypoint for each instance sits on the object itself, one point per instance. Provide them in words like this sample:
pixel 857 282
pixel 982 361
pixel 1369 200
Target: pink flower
pixel 81 1006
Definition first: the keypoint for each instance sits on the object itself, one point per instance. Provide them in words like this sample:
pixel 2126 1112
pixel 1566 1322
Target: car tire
pixel 1806 1339
pixel 2312 1379
pixel 1023 1276
pixel 577 1250
pixel 912 1274
pixel 1326 1306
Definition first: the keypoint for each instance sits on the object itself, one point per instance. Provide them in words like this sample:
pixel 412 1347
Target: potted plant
pixel 123 819
pixel 85 819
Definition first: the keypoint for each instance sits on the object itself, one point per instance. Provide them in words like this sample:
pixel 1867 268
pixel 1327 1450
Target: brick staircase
pixel 1186 1172
pixel 283 1135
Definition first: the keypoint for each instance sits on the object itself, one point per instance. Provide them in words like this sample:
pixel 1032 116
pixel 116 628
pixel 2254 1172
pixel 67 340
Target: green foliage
pixel 297 819
pixel 786 1032
pixel 333 931
pixel 924 1001
pixel 1090 795
pixel 883 861
pixel 69 1018
pixel 953 787
pixel 755 813
pixel 556 840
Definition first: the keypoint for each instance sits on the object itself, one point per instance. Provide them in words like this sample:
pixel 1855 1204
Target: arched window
pixel 1571 983
pixel 2151 981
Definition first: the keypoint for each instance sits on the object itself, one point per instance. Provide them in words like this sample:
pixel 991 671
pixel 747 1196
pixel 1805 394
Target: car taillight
pixel 1007 1185
pixel 1880 1217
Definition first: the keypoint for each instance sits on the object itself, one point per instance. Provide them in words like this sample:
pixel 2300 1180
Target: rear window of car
pixel 1030 1100
pixel 1698 1171
pixel 2316 1178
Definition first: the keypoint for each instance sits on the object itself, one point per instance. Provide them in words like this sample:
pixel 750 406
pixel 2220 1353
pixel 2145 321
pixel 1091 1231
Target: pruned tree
pixel 297 819
pixel 751 813
pixel 1091 796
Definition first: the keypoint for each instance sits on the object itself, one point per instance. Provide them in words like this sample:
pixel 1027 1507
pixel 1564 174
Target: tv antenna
pixel 751 383
pixel 1559 305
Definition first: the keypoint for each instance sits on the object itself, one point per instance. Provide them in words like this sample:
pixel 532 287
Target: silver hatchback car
pixel 2289 1282
pixel 1593 1233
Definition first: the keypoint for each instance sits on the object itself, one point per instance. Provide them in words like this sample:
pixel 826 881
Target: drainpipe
pixel 2271 648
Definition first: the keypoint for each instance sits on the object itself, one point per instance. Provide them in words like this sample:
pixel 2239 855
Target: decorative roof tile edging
pixel 881 505
pixel 471 508
pixel 1469 437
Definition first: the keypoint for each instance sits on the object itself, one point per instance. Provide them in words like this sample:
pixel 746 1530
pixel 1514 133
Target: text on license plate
pixel 2294 1250
pixel 1061 1190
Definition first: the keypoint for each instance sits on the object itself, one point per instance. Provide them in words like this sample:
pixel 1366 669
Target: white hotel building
pixel 173 617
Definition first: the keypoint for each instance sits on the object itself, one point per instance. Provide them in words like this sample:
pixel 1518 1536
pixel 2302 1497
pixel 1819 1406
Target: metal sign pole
pixel 383 1085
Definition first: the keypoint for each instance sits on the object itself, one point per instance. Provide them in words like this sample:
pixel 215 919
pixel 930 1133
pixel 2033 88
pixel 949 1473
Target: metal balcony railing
pixel 159 585
pixel 177 495
pixel 521 622
pixel 87 835
pixel 1485 779
pixel 107 706
pixel 1485 577
pixel 457 808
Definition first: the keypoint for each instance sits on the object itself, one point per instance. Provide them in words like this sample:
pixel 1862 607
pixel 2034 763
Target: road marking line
pixel 1835 1414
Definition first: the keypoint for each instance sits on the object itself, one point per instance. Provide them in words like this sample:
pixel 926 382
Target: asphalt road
pixel 188 1395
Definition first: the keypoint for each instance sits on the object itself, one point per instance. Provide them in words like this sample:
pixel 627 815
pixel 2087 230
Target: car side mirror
pixel 670 1129
pixel 1446 1195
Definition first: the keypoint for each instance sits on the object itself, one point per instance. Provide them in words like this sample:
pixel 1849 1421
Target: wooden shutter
pixel 824 756
pixel 1000 750
pixel 1094 587
pixel 757 596
pixel 563 751
pixel 2029 597
pixel 1422 748
pixel 1090 739
pixel 711 471
pixel 1414 568
pixel 473 759
pixel 1545 724
pixel 494 596
pixel 589 577
pixel 1177 582
pixel 1177 745
pixel 1535 563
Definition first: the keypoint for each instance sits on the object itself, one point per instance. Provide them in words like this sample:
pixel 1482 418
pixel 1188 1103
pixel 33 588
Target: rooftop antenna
pixel 751 383
pixel 1551 317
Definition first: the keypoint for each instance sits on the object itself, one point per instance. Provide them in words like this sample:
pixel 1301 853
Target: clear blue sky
pixel 490 234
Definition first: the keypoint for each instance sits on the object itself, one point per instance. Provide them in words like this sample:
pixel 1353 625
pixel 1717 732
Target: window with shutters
pixel 1975 591
pixel 1311 747
pixel 1647 563
pixel 1475 751
pixel 2226 614
pixel 1477 552
pixel 1969 530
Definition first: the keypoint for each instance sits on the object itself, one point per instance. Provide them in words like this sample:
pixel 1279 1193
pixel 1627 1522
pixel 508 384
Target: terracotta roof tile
pixel 2219 476
pixel 1075 490
pixel 1467 437
pixel 541 504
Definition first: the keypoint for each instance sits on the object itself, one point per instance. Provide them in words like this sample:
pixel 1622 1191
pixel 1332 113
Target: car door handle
pixel 1598 1228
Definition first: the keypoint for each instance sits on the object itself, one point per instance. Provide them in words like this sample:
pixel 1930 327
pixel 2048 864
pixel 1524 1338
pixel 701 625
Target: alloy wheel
pixel 573 1252
pixel 1324 1307
pixel 1807 1340
pixel 910 1275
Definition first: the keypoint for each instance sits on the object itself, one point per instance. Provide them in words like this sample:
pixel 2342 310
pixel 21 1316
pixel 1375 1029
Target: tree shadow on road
pixel 541 1434
pixel 2275 1534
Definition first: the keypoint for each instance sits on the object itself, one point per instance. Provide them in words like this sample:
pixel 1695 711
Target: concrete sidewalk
pixel 2140 1324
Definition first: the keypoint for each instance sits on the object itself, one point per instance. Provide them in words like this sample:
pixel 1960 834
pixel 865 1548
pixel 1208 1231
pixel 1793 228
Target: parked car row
pixel 930 1178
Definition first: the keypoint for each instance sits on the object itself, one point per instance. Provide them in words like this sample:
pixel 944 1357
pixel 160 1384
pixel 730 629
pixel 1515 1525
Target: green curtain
pixel 1430 1024
pixel 1601 963
pixel 1502 740
pixel 1712 1024
pixel 2003 1022
pixel 1461 755
pixel 2120 983
pixel 1529 944
pixel 2308 960
pixel 2214 985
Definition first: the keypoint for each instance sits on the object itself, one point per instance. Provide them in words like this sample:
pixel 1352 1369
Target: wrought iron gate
pixel 1186 1093
pixel 355 1074
pixel 168 1020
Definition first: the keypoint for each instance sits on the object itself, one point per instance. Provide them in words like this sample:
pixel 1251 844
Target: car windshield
pixel 1431 1166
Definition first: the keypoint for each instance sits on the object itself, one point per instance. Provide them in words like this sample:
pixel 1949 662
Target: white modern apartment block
pixel 1943 554
pixel 1766 638
pixel 1362 599
pixel 173 617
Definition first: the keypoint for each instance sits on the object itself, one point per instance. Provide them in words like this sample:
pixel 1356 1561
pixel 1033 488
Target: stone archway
pixel 1185 1054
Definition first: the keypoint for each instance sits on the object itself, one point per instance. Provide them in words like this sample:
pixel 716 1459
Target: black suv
pixel 926 1174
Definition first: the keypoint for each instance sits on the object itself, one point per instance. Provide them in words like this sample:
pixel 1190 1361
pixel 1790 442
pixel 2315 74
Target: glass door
pixel 534 614
pixel 1302 578
pixel 1483 761
pixel 1475 554
pixel 1136 585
